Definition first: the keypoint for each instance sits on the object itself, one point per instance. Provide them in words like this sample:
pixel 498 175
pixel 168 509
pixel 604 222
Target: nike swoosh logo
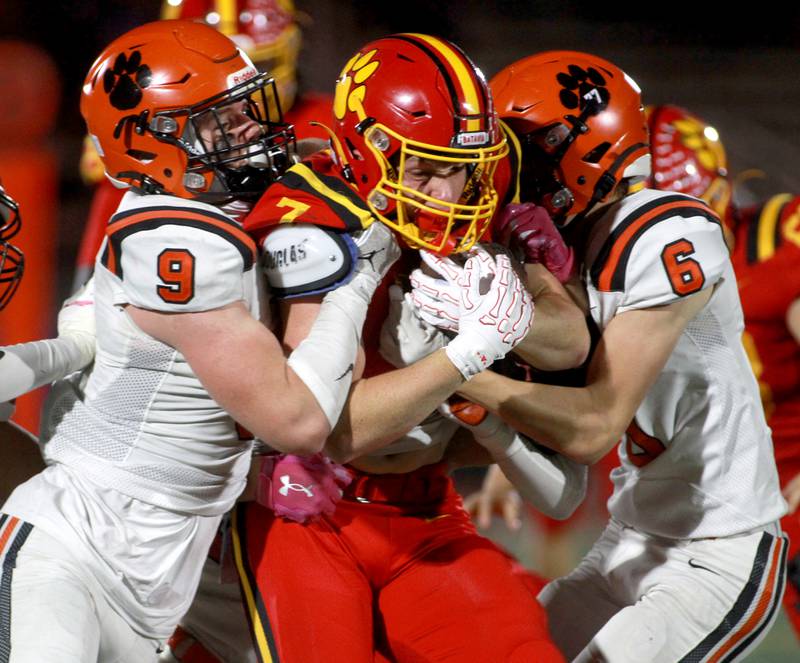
pixel 343 375
pixel 695 565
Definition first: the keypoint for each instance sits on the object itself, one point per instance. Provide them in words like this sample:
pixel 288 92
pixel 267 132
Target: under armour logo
pixel 288 485
pixel 369 256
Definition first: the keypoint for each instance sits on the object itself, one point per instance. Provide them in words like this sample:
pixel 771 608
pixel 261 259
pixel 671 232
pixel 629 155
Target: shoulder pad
pixel 660 248
pixel 304 195
pixel 302 259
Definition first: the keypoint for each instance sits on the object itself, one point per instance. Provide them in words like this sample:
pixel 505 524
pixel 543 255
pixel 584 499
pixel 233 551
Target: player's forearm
pixel 383 408
pixel 559 338
pixel 565 419
pixel 293 423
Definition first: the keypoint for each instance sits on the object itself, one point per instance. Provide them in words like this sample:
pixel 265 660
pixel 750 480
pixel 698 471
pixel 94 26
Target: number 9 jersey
pixel 173 446
pixel 699 436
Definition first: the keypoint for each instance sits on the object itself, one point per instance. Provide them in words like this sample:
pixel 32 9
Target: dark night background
pixel 738 70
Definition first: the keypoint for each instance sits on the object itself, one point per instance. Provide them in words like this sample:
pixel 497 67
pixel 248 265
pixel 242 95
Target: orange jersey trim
pixel 608 272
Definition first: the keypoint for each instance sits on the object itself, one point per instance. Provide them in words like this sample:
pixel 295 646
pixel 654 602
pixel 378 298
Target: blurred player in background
pixel 12 262
pixel 764 240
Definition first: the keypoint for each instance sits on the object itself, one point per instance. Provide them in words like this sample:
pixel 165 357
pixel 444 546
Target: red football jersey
pixel 766 258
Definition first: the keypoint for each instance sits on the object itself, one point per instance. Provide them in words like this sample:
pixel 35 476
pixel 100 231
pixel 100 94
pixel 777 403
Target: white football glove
pixel 495 313
pixel 377 252
pixel 438 300
pixel 491 432
pixel 405 338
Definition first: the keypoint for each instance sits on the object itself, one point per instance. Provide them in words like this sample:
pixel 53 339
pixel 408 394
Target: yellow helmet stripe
pixel 464 75
pixel 767 224
pixel 171 9
pixel 228 17
pixel 227 10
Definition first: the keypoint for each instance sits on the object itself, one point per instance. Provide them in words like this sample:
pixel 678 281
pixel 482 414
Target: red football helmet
pixel 412 95
pixel 12 262
pixel 581 125
pixel 688 157
pixel 175 107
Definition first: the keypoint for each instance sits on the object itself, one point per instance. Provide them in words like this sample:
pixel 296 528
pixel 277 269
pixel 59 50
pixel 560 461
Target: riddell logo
pixel 241 76
pixel 472 139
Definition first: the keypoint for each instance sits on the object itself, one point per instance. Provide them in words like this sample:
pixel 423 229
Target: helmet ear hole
pixel 596 153
pixel 141 155
pixel 354 151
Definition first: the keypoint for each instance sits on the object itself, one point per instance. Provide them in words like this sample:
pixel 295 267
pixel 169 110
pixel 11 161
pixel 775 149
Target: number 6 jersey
pixel 697 459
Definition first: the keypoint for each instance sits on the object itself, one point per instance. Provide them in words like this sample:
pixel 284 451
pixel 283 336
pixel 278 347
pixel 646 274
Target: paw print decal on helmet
pixel 350 88
pixel 703 141
pixel 123 91
pixel 583 87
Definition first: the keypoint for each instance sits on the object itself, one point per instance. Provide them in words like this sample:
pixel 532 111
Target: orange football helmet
pixel 152 95
pixel 688 157
pixel 412 95
pixel 582 128
pixel 12 262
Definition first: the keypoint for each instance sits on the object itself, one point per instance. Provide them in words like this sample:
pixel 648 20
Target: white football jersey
pixel 697 460
pixel 143 461
pixel 145 425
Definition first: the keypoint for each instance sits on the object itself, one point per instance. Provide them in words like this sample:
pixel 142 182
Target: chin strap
pixel 608 180
pixel 338 150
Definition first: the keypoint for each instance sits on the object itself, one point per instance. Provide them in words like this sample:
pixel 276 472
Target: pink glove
pixel 531 229
pixel 301 488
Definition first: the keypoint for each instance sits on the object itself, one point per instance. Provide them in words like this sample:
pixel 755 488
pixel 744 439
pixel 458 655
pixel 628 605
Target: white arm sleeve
pixel 324 360
pixel 553 484
pixel 27 366
pixel 326 357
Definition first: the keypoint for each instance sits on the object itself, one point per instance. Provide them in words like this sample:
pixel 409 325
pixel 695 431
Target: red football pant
pixel 408 581
pixel 790 524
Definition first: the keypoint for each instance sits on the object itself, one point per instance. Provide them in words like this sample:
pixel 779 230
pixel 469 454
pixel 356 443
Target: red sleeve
pixel 104 203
